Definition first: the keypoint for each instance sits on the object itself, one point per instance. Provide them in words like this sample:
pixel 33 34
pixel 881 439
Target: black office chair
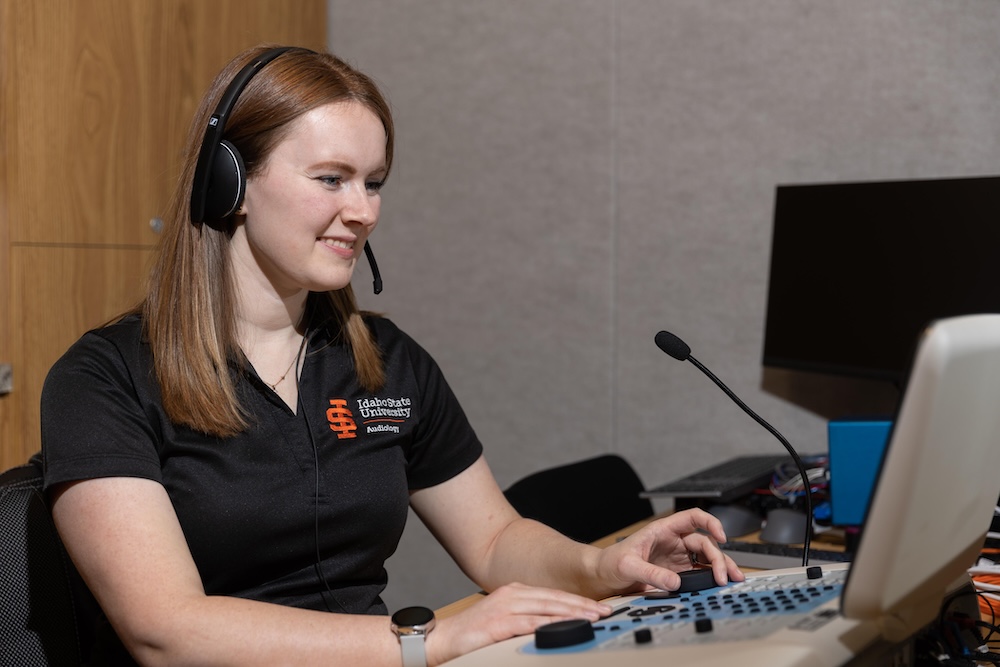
pixel 585 500
pixel 40 621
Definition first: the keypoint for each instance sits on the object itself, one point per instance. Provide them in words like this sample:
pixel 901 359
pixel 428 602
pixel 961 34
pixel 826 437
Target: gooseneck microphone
pixel 681 351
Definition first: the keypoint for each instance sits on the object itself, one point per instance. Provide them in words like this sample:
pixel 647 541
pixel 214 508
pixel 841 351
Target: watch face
pixel 411 616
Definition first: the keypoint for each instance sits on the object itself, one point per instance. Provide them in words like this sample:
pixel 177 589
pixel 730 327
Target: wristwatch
pixel 412 625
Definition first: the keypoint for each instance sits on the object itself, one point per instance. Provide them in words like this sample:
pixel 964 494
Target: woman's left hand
pixel 651 557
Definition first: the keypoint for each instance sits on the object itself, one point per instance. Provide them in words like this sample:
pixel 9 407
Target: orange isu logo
pixel 341 420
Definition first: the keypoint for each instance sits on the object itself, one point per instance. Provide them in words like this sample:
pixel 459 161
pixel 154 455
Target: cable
pixel 949 638
pixel 788 487
pixel 318 565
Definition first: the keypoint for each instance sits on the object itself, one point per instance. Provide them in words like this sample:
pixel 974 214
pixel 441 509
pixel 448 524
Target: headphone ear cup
pixel 227 184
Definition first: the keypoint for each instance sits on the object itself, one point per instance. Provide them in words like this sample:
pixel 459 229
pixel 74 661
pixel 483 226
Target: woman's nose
pixel 361 206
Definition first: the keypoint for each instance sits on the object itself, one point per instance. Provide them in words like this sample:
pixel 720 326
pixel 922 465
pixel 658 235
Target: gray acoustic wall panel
pixel 573 176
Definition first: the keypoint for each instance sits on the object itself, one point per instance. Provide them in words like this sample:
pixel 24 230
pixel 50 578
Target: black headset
pixel 220 175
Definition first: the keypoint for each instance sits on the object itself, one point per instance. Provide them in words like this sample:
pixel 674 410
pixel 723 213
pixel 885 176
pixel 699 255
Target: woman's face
pixel 312 206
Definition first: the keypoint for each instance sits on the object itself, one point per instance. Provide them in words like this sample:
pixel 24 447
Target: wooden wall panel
pixel 5 273
pixel 58 293
pixel 95 100
pixel 103 95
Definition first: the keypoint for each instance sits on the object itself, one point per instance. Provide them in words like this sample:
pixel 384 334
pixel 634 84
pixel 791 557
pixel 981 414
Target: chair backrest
pixel 585 500
pixel 38 614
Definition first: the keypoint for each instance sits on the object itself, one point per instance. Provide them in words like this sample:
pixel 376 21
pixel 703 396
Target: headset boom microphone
pixel 681 351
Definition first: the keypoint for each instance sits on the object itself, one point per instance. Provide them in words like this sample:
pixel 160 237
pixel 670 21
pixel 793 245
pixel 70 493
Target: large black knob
pixel 564 633
pixel 691 581
pixel 696 580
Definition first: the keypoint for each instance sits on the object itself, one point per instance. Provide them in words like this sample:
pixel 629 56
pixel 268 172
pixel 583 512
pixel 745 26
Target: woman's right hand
pixel 509 611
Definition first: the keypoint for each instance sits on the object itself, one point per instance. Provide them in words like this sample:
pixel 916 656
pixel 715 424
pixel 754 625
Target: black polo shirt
pixel 248 505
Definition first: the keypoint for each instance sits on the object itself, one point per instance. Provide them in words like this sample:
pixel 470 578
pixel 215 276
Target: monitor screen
pixel 859 269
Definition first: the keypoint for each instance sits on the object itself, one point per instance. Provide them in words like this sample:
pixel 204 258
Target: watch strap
pixel 414 653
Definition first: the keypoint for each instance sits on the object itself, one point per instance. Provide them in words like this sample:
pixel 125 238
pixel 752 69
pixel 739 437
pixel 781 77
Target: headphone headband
pixel 220 175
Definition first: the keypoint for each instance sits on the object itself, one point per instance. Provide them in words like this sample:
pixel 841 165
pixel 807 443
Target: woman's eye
pixel 330 180
pixel 374 186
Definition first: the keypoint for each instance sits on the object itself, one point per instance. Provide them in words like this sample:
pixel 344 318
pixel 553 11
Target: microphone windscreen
pixel 673 346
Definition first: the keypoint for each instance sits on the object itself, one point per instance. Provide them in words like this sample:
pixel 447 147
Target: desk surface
pixel 832 541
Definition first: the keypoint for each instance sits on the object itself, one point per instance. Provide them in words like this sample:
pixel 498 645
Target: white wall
pixel 573 176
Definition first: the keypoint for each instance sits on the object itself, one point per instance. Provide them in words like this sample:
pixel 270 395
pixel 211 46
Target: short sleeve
pixel 93 419
pixel 444 442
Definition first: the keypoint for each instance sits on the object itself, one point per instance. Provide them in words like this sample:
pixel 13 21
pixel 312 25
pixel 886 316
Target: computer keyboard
pixel 774 556
pixel 724 481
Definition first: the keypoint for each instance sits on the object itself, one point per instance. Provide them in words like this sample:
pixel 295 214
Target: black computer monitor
pixel 859 269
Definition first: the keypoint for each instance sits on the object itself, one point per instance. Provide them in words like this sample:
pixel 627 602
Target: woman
pixel 231 463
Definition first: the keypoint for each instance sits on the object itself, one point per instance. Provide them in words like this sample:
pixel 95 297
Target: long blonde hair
pixel 189 313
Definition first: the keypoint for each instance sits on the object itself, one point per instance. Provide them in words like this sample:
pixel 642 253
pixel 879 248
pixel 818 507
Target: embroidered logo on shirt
pixel 341 420
pixel 382 415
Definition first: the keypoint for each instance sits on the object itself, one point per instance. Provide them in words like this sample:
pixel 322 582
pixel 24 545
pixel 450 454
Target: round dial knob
pixel 696 580
pixel 564 633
